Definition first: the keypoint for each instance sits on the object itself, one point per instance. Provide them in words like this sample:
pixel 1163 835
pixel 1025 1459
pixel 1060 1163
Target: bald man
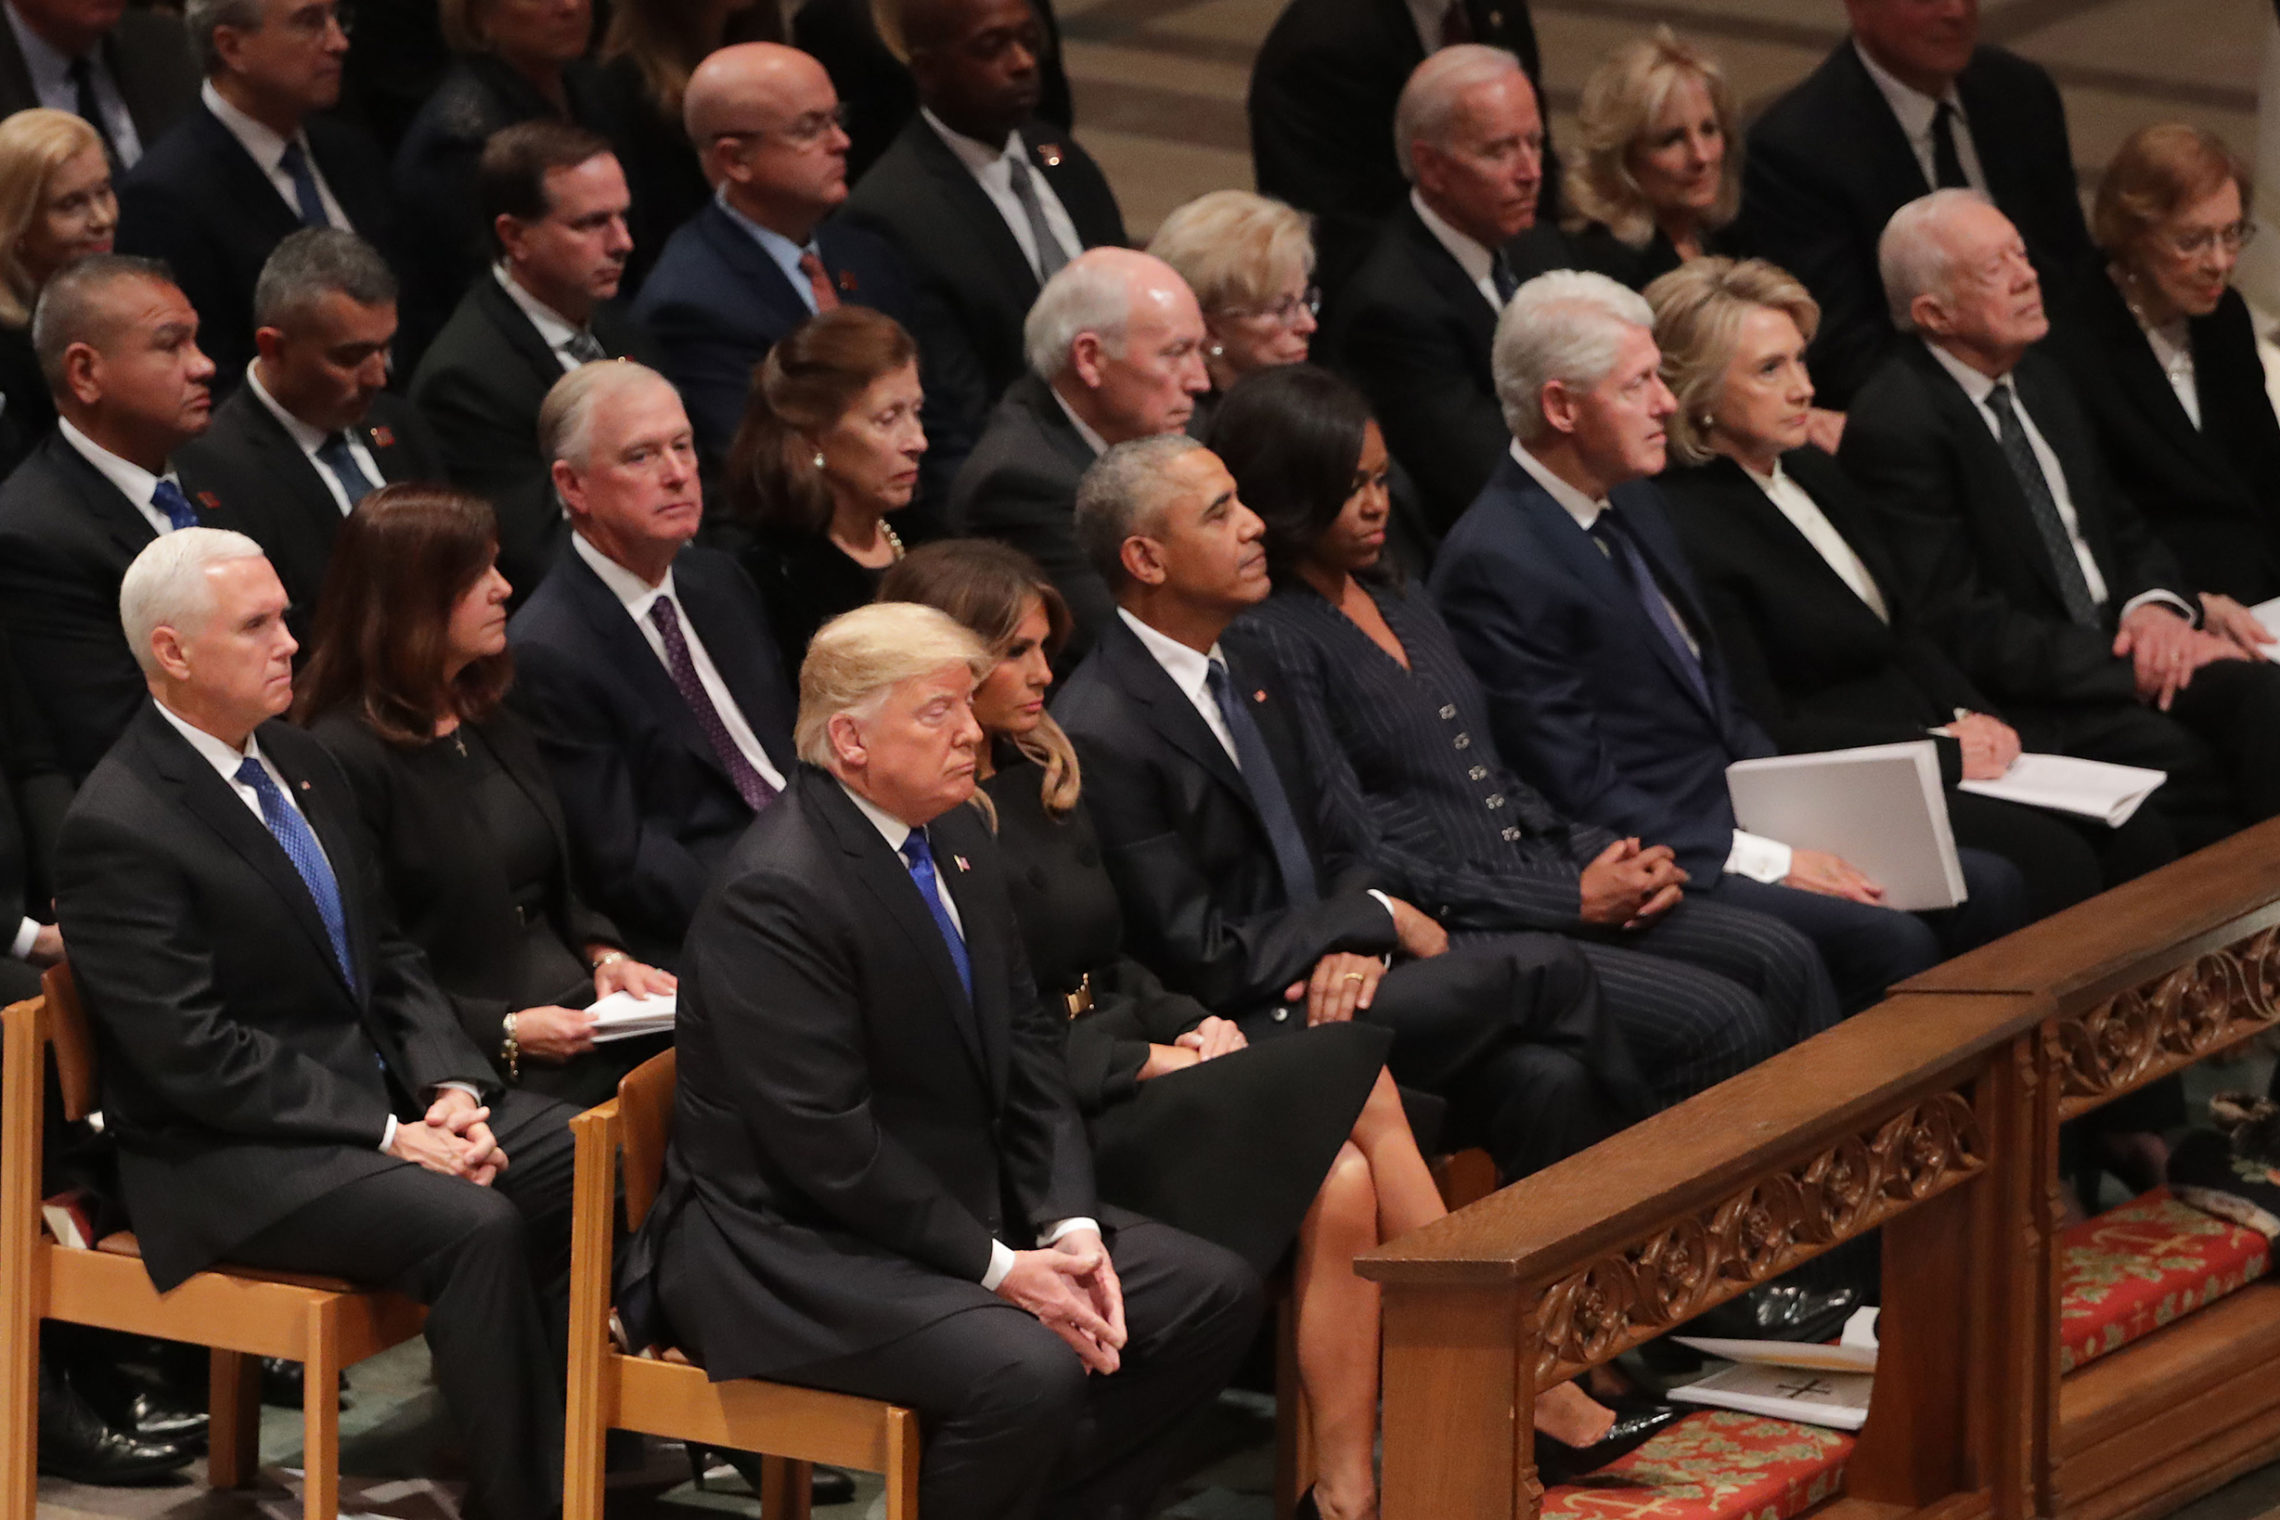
pixel 1115 351
pixel 763 256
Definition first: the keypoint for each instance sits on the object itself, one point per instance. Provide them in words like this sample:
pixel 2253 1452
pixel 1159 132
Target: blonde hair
pixel 33 145
pixel 858 657
pixel 1620 102
pixel 2156 173
pixel 1699 308
pixel 1236 250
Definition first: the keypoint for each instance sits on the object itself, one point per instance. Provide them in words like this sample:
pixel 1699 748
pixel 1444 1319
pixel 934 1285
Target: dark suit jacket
pixel 38 791
pixel 1808 658
pixel 149 57
pixel 1323 89
pixel 1964 542
pixel 922 199
pixel 650 807
pixel 1020 485
pixel 852 1130
pixel 1414 333
pixel 243 1077
pixel 2211 492
pixel 1828 165
pixel 247 473
pixel 1585 696
pixel 480 385
pixel 198 201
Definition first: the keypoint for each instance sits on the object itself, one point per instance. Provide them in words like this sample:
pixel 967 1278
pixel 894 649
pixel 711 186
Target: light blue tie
pixel 300 845
pixel 919 854
pixel 168 498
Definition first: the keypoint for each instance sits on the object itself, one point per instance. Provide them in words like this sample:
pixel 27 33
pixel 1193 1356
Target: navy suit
pixel 651 809
pixel 1597 708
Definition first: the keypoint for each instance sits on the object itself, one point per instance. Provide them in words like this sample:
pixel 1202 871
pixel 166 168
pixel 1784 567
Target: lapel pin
pixel 304 786
pixel 383 438
pixel 209 501
pixel 961 862
pixel 1051 154
pixel 1260 695
pixel 846 278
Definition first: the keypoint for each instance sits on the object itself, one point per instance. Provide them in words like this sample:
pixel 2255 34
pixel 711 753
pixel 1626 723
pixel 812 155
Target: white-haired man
pixel 645 660
pixel 1414 326
pixel 1569 596
pixel 274 1052
pixel 1115 346
pixel 2023 556
pixel 880 1183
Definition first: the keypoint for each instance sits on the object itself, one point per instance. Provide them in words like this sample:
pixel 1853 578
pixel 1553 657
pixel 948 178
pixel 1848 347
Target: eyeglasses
pixel 2191 245
pixel 801 131
pixel 314 21
pixel 1285 311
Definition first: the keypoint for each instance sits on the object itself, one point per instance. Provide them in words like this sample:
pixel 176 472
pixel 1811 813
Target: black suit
pixel 37 793
pixel 253 477
pixel 650 806
pixel 1828 164
pixel 200 202
pixel 924 200
pixel 1509 1030
pixel 1020 485
pixel 149 58
pixel 249 1083
pixel 853 1130
pixel 1414 332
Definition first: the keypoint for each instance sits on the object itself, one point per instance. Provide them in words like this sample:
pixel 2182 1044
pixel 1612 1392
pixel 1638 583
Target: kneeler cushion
pixel 1716 1464
pixel 2131 1270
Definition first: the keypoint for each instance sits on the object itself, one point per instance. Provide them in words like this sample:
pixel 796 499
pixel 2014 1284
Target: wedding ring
pixel 1353 976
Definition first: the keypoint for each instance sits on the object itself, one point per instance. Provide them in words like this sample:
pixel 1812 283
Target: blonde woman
pixel 1250 262
pixel 1659 172
pixel 56 205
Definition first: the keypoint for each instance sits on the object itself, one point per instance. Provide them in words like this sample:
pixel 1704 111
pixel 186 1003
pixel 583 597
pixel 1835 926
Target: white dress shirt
pixel 1979 387
pixel 1806 516
pixel 267 150
pixel 1476 258
pixel 992 169
pixel 894 831
pixel 309 440
pixel 637 598
pixel 50 71
pixel 134 482
pixel 1916 111
pixel 2172 345
pixel 554 330
pixel 782 249
pixel 1751 855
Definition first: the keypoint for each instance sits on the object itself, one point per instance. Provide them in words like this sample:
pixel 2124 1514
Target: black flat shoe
pixel 826 1485
pixel 77 1446
pixel 1559 1462
pixel 1778 1312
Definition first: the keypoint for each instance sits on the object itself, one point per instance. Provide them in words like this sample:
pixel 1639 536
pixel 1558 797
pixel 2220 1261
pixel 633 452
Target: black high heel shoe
pixel 1559 1462
pixel 1306 1508
pixel 826 1485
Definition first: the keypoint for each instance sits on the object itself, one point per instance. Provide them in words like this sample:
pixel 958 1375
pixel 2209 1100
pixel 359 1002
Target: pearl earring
pixel 1706 422
pixel 819 459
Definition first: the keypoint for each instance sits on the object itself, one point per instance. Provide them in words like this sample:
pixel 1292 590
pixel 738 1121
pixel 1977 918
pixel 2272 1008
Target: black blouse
pixel 806 581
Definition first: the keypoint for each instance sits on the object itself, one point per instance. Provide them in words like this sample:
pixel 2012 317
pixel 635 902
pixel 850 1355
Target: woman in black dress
pixel 1173 1094
pixel 404 687
pixel 56 205
pixel 829 445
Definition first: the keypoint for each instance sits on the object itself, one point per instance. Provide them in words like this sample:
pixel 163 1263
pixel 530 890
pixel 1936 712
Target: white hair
pixel 166 586
pixel 1913 257
pixel 1084 296
pixel 1429 100
pixel 858 657
pixel 1569 326
pixel 566 416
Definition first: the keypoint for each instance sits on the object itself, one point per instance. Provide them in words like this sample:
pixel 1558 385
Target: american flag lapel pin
pixel 304 786
pixel 1260 695
pixel 209 502
pixel 961 860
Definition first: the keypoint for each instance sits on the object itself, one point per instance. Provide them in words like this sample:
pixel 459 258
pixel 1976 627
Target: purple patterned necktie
pixel 750 784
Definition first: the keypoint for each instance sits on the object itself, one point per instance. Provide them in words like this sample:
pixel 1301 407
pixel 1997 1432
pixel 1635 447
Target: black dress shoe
pixel 1559 1462
pixel 141 1405
pixel 282 1383
pixel 826 1485
pixel 1778 1312
pixel 76 1445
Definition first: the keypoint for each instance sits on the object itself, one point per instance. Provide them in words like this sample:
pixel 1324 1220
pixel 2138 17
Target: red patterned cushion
pixel 2133 1269
pixel 1717 1464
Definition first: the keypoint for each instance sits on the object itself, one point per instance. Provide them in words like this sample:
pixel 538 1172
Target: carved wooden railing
pixel 1932 1119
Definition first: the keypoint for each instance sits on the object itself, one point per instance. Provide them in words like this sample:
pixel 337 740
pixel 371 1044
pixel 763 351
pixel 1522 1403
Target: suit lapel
pixel 1036 397
pixel 1448 277
pixel 627 648
pixel 250 193
pixel 107 507
pixel 314 795
pixel 733 659
pixel 515 328
pixel 1010 272
pixel 754 270
pixel 985 950
pixel 283 460
pixel 1168 710
pixel 1892 164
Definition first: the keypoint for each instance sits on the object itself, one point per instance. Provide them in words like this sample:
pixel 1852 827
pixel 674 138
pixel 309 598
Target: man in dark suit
pixel 119 344
pixel 314 430
pixel 645 661
pixel 555 199
pixel 255 162
pixel 1206 826
pixel 287 1087
pixel 1115 346
pixel 127 73
pixel 1414 326
pixel 2037 575
pixel 1569 596
pixel 1910 102
pixel 879 1181
pixel 1323 89
pixel 985 201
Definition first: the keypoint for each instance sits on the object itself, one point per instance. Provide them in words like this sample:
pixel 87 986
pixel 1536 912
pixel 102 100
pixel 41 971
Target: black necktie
pixel 295 163
pixel 1947 165
pixel 1258 767
pixel 1624 554
pixel 1456 24
pixel 584 347
pixel 81 73
pixel 2042 506
pixel 335 455
pixel 1507 283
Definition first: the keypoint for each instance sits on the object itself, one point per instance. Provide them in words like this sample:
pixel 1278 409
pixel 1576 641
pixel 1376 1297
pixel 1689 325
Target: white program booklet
pixel 621 1015
pixel 1854 1350
pixel 1881 808
pixel 2268 613
pixel 1835 1399
pixel 2064 784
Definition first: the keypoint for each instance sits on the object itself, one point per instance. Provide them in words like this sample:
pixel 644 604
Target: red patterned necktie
pixel 819 282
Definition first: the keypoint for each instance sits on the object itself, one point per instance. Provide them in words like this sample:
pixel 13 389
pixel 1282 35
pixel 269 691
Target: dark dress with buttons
pixel 1233 1149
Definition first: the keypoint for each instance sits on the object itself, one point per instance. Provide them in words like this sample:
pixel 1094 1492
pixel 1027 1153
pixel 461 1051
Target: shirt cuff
pixel 1001 1262
pixel 1386 903
pixel 2175 603
pixel 1759 858
pixel 388 1135
pixel 27 933
pixel 1068 1226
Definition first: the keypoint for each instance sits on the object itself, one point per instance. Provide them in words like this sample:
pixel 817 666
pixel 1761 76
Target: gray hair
pixel 1123 494
pixel 1085 296
pixel 316 262
pixel 858 658
pixel 73 306
pixel 566 417
pixel 1428 101
pixel 1568 326
pixel 166 586
pixel 1912 258
pixel 201 17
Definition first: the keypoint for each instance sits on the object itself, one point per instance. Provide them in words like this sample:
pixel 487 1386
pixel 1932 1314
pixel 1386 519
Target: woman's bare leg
pixel 1338 1336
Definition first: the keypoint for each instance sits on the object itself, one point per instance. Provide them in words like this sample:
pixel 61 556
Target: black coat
pixel 38 791
pixel 1828 165
pixel 2213 492
pixel 1020 485
pixel 243 1076
pixel 920 197
pixel 150 59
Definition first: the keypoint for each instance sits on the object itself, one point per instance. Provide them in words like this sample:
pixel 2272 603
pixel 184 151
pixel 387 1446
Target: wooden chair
pixel 239 1313
pixel 663 1395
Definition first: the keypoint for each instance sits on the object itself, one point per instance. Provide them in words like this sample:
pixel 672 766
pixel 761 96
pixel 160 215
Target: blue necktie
pixel 335 455
pixel 168 498
pixel 299 842
pixel 295 163
pixel 919 854
pixel 1258 767
pixel 1623 551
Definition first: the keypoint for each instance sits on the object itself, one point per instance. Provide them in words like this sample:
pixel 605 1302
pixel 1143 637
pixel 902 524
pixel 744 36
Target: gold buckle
pixel 1080 1001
